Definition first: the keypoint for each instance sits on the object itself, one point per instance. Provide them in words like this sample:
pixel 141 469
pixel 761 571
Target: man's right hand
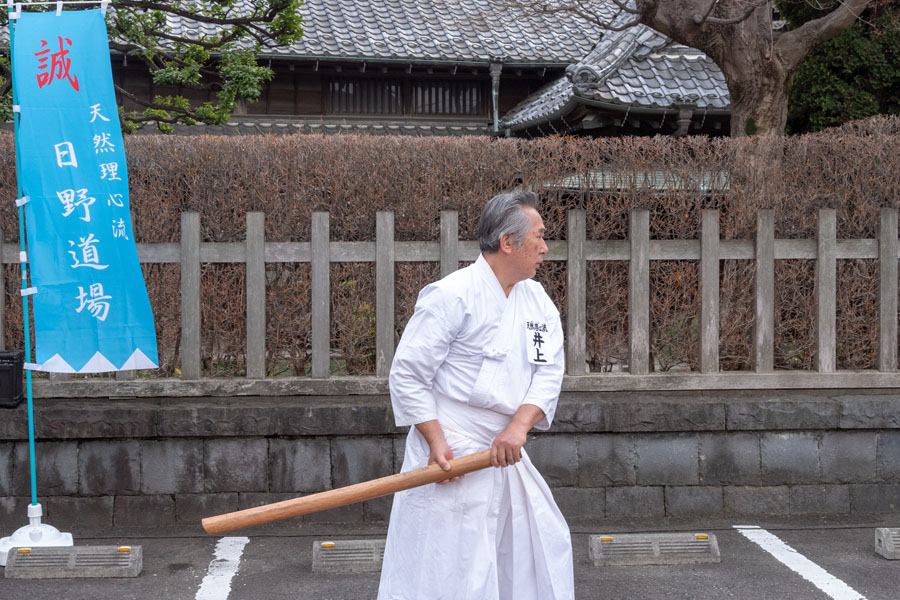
pixel 439 450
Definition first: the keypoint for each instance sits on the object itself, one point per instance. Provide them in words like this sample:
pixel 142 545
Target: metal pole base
pixel 33 534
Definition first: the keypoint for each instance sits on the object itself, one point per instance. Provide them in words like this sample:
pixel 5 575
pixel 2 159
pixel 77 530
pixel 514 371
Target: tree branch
pixel 148 104
pixel 248 22
pixel 232 35
pixel 793 46
pixel 153 65
pixel 698 18
pixel 250 19
pixel 738 19
pixel 620 4
pixel 708 18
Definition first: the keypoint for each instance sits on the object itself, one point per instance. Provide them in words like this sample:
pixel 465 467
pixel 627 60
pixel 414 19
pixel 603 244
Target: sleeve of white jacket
pixel 546 382
pixel 422 349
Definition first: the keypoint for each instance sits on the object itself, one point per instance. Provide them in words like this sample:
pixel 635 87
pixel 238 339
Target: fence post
pixel 320 292
pixel 887 290
pixel 256 295
pixel 639 292
pixel 764 290
pixel 449 242
pixel 576 295
pixel 709 292
pixel 190 295
pixel 826 288
pixel 384 292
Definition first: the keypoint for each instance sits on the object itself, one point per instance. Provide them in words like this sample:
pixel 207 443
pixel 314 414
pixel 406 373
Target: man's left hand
pixel 507 447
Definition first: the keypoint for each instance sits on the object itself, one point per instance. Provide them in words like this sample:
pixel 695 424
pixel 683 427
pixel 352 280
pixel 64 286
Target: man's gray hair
pixel 503 215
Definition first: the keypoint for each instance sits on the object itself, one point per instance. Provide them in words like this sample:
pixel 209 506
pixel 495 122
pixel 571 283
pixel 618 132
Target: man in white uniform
pixel 480 363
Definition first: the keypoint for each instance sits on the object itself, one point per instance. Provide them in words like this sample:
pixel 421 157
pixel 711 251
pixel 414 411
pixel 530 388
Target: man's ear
pixel 507 243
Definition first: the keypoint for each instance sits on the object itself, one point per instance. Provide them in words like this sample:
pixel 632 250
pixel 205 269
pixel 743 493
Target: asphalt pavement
pixel 825 559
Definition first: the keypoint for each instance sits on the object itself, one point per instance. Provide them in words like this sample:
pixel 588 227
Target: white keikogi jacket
pixel 470 357
pixel 468 342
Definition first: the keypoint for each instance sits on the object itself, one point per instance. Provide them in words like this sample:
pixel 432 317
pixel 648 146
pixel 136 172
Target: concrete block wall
pixel 617 456
pixel 631 475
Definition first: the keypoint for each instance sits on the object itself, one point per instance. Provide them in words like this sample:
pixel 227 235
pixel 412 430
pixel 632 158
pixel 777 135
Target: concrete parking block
pixel 74 561
pixel 347 556
pixel 887 542
pixel 623 549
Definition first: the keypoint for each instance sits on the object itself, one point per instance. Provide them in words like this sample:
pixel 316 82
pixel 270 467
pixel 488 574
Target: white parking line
pixel 217 583
pixel 810 571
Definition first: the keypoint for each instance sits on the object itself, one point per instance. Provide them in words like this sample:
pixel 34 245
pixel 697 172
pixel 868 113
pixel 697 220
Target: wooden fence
pixel 576 250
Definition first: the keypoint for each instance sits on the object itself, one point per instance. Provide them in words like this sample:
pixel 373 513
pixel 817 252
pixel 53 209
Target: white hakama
pixel 496 534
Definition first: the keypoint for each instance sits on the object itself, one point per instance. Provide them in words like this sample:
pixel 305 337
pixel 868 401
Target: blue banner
pixel 91 310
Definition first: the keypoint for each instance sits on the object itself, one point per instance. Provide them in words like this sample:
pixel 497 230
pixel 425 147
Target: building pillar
pixel 685 114
pixel 495 69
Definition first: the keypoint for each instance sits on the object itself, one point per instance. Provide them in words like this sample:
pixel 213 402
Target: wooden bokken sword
pixel 345 495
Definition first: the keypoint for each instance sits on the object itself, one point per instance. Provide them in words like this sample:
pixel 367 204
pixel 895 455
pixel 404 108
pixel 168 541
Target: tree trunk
pixel 758 62
pixel 759 96
pixel 758 79
pixel 758 76
pixel 240 106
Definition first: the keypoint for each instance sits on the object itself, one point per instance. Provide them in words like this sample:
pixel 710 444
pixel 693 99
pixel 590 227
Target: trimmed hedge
pixel 852 169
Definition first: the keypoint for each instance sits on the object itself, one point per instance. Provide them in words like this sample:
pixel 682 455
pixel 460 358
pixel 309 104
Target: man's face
pixel 528 257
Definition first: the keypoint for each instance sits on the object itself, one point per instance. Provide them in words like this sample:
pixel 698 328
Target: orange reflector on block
pixel 124 548
pixel 328 544
pixel 701 536
pixel 606 539
pixel 24 550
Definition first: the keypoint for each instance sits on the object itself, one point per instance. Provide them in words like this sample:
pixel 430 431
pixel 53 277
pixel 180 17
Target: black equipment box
pixel 11 362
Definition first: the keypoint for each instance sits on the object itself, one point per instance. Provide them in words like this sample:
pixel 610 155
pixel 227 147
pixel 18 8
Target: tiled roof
pixel 444 30
pixel 637 67
pixel 548 102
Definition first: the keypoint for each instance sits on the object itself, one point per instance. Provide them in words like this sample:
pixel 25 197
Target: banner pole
pixel 24 271
pixel 35 533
